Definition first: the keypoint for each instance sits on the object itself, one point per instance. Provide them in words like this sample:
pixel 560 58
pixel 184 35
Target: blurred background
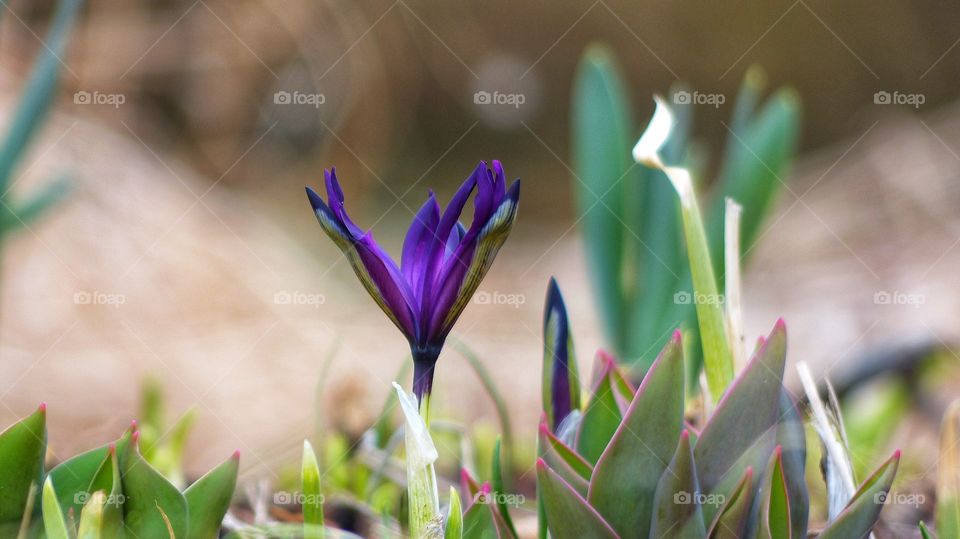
pixel 185 249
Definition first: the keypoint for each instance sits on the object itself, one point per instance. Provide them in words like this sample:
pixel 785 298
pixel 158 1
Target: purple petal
pixel 416 246
pixel 383 280
pixel 462 273
pixel 451 217
pixel 335 199
pixel 378 274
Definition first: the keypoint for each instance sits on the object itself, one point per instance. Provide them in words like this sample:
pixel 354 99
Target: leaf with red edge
pixel 775 518
pixel 600 418
pixel 625 477
pixel 677 513
pixel 745 420
pixel 733 520
pixel 568 514
pixel 863 510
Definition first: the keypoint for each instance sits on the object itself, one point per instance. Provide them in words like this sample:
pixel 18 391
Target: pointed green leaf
pixel 500 489
pixel 208 499
pixel 453 529
pixel 677 511
pixel 925 532
pixel 601 153
pixel 863 510
pixel 313 498
pixel 775 520
pixel 151 505
pixel 745 421
pixel 732 522
pixel 558 454
pixel 568 515
pixel 73 476
pixel 54 524
pixel 600 419
pixel 107 480
pixel 22 449
pixel 482 521
pixel 638 453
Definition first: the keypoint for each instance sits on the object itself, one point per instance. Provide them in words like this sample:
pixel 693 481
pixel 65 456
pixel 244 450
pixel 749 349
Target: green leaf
pixel 107 480
pixel 744 423
pixel 601 132
pixel 453 529
pixel 152 505
pixel 775 519
pixel 948 474
pixel 733 521
pixel 755 168
pixel 39 92
pixel 500 489
pixel 568 515
pixel 677 508
pixel 73 476
pixel 636 457
pixel 863 510
pixel 925 532
pixel 791 436
pixel 313 498
pixel 482 521
pixel 564 461
pixel 560 456
pixel 93 518
pixel 208 499
pixel 22 448
pixel 600 419
pixel 54 524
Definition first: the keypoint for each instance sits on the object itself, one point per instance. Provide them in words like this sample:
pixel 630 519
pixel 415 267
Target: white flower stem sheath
pixel 426 521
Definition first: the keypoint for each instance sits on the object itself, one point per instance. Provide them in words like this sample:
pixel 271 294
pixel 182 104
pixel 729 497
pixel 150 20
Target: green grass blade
pixel 312 497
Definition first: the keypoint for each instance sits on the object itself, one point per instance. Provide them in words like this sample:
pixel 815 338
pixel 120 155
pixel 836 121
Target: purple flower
pixel 442 262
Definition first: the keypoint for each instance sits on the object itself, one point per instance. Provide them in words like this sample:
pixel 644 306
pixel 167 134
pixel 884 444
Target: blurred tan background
pixel 187 250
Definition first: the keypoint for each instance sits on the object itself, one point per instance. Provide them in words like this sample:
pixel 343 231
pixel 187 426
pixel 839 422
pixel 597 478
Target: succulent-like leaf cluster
pixel 107 492
pixel 633 465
